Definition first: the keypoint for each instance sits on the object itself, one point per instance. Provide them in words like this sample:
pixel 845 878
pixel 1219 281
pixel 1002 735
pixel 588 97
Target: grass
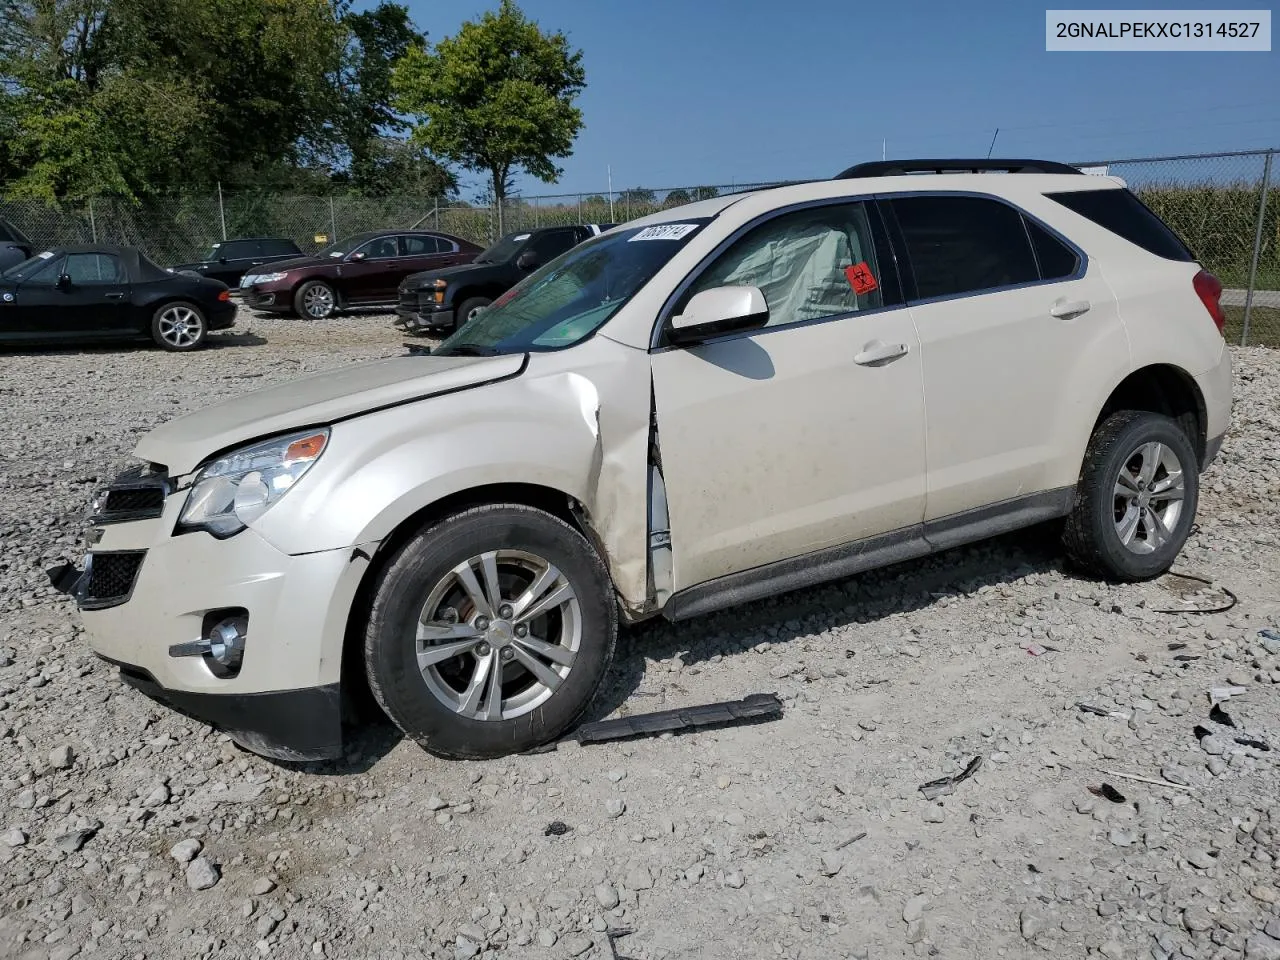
pixel 1264 326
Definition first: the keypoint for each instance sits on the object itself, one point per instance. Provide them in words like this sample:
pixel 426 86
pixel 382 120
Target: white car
pixel 720 402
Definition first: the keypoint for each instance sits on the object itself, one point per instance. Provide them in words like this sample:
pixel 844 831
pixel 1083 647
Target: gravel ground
pixel 129 832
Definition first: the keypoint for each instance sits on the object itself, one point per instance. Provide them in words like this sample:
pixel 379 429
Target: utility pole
pixel 609 168
pixel 222 213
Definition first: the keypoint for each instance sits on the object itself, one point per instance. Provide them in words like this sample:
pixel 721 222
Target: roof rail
pixel 892 168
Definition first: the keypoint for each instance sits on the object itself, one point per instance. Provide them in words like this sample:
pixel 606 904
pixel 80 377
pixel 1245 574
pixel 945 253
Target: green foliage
pixel 497 97
pixel 638 195
pixel 677 197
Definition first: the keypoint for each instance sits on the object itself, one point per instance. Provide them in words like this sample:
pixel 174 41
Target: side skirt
pixel 834 563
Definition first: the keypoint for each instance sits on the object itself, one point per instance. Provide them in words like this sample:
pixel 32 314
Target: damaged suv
pixel 720 402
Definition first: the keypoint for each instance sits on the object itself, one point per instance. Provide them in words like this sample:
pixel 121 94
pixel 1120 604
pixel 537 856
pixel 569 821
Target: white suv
pixel 716 403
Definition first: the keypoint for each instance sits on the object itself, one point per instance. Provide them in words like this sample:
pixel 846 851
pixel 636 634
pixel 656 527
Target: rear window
pixel 279 248
pixel 1125 215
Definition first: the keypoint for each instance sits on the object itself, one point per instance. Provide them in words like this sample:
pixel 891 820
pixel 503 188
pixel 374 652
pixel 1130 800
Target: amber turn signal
pixel 308 448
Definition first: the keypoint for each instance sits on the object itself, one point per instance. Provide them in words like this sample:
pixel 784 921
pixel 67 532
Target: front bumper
pixel 149 590
pixel 269 300
pixel 414 314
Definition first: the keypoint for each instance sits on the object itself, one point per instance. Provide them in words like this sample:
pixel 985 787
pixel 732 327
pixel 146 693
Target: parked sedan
pixel 108 293
pixel 361 271
pixel 230 260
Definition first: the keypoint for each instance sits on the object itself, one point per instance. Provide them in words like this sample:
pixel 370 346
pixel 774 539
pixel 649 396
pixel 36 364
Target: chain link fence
pixel 1225 206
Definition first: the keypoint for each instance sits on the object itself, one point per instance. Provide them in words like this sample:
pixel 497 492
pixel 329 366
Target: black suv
pixel 439 300
pixel 14 246
pixel 230 260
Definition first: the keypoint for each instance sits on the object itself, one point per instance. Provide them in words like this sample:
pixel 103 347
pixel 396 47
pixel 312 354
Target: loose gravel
pixel 127 831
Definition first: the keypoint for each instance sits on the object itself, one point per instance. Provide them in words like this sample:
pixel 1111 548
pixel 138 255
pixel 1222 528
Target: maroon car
pixel 361 271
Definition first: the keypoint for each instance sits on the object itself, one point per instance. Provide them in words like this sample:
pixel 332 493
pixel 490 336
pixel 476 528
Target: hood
pixel 294 263
pixel 315 400
pixel 446 273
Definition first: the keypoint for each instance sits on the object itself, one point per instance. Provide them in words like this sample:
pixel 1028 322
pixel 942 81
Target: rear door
pixel 1013 321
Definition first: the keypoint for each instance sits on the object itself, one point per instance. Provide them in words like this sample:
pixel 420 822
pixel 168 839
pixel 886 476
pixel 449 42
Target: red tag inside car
pixel 861 278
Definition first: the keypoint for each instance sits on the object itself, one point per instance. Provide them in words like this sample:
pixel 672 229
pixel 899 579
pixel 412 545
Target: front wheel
pixel 470 309
pixel 1136 499
pixel 315 300
pixel 490 632
pixel 178 327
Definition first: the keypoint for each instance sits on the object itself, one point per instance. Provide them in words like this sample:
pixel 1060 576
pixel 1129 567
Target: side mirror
pixel 716 311
pixel 527 261
pixel 357 257
pixel 63 283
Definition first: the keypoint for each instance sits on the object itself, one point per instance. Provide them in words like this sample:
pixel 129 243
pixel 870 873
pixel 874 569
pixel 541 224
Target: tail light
pixel 225 295
pixel 1209 290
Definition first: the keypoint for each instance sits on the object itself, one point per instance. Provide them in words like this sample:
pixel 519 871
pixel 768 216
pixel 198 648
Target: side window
pixel 381 248
pixel 550 245
pixel 87 269
pixel 420 246
pixel 1055 258
pixel 808 264
pixel 1123 214
pixel 278 248
pixel 963 245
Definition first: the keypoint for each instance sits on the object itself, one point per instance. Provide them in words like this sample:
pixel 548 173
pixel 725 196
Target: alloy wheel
pixel 498 635
pixel 318 302
pixel 1149 492
pixel 180 326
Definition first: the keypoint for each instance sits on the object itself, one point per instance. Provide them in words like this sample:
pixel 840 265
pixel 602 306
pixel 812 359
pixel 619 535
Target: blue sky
pixel 697 91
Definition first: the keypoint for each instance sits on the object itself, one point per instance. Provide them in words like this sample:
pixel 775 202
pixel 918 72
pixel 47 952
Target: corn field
pixel 1224 206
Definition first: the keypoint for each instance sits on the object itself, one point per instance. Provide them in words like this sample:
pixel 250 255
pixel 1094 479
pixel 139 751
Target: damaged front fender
pixel 576 421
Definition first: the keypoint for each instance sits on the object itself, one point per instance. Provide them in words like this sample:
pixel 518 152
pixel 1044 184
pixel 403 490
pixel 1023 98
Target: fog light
pixel 222 644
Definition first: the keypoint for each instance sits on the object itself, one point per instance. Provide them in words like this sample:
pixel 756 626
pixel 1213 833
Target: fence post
pixel 435 209
pixel 222 213
pixel 333 222
pixel 579 209
pixel 93 224
pixel 1257 247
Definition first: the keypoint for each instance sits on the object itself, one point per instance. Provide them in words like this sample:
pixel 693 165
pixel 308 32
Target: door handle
pixel 114 296
pixel 1066 309
pixel 877 352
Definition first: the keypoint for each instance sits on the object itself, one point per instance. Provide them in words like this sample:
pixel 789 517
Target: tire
pixel 1131 453
pixel 315 300
pixel 468 309
pixel 419 593
pixel 179 327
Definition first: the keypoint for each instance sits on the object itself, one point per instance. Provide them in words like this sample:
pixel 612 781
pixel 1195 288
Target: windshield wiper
pixel 470 350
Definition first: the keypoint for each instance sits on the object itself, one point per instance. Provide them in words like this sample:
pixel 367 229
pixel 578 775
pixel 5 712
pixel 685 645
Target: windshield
pixel 504 249
pixel 572 296
pixel 28 268
pixel 342 247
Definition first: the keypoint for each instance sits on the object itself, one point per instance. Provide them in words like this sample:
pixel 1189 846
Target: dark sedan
pixel 108 293
pixel 14 245
pixel 230 260
pixel 361 271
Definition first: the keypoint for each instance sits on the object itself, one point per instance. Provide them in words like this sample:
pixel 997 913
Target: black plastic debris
pixel 1096 711
pixel 1202 732
pixel 1270 634
pixel 1256 744
pixel 1220 716
pixel 556 828
pixel 418 349
pixel 1108 792
pixel 1186 658
pixel 64 577
pixel 1177 646
pixel 1232 599
pixel 756 708
pixel 945 785
pixel 617 934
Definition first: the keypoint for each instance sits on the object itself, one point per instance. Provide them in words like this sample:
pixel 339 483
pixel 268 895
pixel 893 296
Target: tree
pixel 375 40
pixel 677 197
pixel 636 195
pixel 705 193
pixel 390 166
pixel 497 97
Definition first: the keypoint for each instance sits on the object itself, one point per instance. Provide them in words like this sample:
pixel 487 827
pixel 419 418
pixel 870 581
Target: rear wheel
pixel 178 327
pixel 315 300
pixel 1136 499
pixel 490 632
pixel 470 308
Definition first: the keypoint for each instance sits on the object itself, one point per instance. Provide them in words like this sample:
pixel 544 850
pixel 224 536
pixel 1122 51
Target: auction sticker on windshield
pixel 665 231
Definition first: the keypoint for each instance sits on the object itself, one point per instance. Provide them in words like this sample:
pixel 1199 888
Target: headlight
pixel 248 279
pixel 234 490
pixel 269 277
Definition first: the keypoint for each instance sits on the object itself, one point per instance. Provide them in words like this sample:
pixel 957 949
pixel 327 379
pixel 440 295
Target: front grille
pixel 111 578
pixel 136 494
pixel 409 300
pixel 137 499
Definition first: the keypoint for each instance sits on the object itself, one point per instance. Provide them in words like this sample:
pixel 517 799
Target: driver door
pixel 372 279
pixel 784 440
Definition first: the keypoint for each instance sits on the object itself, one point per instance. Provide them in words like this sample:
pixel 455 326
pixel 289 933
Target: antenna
pixel 993 142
